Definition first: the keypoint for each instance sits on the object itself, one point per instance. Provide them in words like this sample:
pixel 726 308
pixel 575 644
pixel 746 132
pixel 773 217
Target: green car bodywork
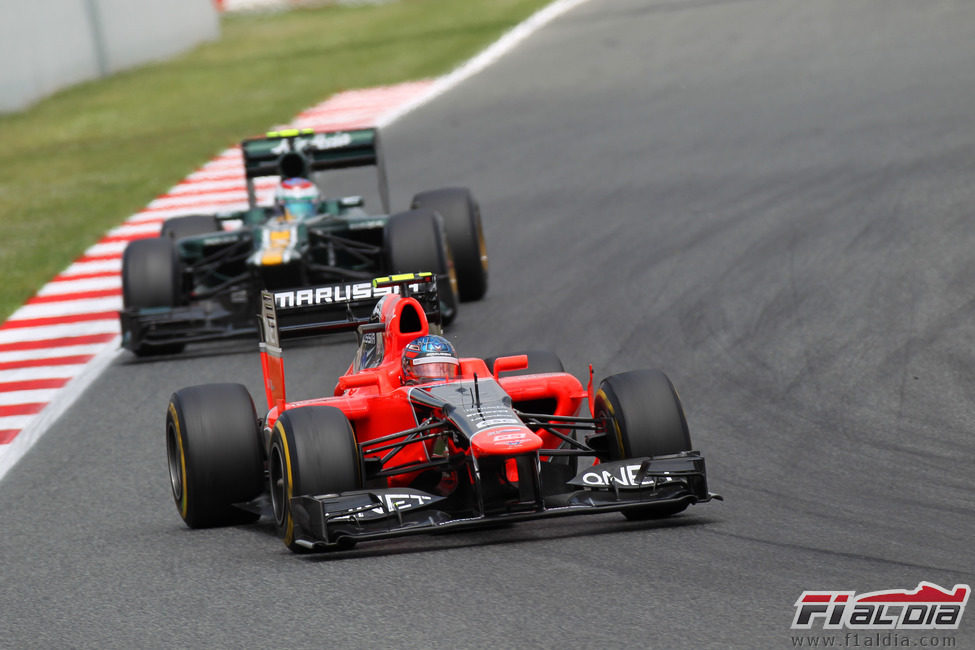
pixel 200 279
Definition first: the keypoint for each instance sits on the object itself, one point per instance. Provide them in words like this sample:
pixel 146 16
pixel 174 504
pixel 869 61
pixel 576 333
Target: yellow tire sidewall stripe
pixel 289 524
pixel 184 502
pixel 608 405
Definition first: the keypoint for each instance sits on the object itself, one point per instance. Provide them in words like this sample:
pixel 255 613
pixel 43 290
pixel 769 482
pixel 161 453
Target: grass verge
pixel 80 162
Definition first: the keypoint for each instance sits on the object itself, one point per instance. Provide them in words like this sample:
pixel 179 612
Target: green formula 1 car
pixel 200 280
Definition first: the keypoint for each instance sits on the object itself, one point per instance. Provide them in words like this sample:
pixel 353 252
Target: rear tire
pixel 644 417
pixel 214 454
pixel 462 222
pixel 313 451
pixel 190 226
pixel 414 242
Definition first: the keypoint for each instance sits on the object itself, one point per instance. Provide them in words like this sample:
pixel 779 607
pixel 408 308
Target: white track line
pixel 95 266
pixel 68 287
pixel 36 426
pixel 135 229
pixel 50 353
pixel 27 397
pixel 41 372
pixel 67 308
pixel 59 331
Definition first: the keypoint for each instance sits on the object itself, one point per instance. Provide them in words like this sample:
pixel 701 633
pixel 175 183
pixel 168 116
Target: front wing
pixel 335 521
pixel 162 327
pixel 146 329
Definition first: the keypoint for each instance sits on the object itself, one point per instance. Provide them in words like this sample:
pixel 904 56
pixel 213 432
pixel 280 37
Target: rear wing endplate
pixel 301 152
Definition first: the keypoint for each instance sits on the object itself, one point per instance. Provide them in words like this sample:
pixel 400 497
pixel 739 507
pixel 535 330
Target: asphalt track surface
pixel 771 201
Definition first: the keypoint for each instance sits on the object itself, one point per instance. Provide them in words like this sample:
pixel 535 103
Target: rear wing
pixel 314 311
pixel 301 152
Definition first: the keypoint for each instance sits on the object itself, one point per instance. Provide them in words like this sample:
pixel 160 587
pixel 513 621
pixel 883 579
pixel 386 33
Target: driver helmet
pixel 297 198
pixel 429 358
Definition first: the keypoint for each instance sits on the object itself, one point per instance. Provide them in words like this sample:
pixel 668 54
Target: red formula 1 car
pixel 391 453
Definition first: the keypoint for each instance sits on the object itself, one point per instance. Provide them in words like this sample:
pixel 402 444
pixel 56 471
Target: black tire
pixel 190 225
pixel 462 222
pixel 214 453
pixel 150 274
pixel 151 277
pixel 415 241
pixel 539 361
pixel 313 451
pixel 644 417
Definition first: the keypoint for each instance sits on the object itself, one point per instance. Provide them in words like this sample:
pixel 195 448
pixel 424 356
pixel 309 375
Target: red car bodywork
pixel 376 401
pixel 507 439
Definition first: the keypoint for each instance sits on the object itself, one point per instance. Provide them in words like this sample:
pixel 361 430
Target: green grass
pixel 80 162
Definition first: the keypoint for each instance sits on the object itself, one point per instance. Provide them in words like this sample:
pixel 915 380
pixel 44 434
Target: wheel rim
pixel 278 488
pixel 482 246
pixel 451 267
pixel 175 457
pixel 452 276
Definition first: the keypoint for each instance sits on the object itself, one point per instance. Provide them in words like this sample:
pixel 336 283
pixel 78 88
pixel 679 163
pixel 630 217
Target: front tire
pixel 415 241
pixel 150 274
pixel 462 222
pixel 214 454
pixel 313 451
pixel 643 417
pixel 151 277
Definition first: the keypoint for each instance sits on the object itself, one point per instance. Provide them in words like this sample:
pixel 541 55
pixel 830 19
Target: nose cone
pixel 505 441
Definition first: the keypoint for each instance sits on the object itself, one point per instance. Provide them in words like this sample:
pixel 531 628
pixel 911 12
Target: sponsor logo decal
pixel 319 141
pixel 928 607
pixel 623 476
pixel 495 422
pixel 366 225
pixel 322 141
pixel 488 415
pixel 331 294
pixel 507 436
pixel 394 502
pixel 504 437
pixel 390 503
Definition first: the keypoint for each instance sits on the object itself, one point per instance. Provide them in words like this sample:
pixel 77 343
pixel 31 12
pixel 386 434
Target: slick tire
pixel 150 274
pixel 415 241
pixel 151 277
pixel 643 417
pixel 214 453
pixel 190 226
pixel 462 222
pixel 313 451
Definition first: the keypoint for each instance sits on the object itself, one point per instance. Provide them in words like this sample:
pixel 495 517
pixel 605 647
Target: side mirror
pixel 357 381
pixel 515 362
